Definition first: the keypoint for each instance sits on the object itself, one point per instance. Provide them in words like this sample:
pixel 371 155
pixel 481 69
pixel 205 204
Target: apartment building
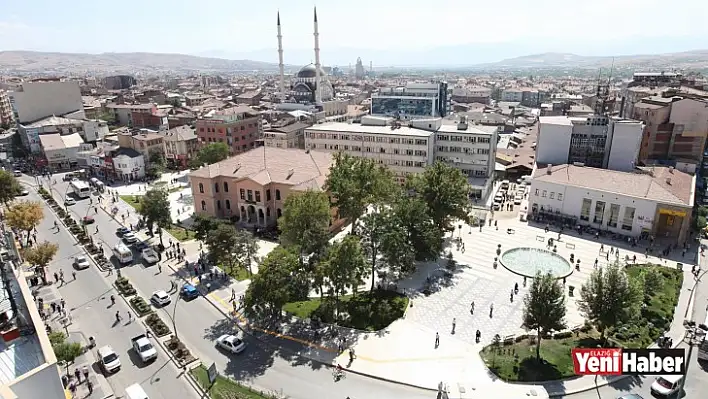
pixel 125 113
pixel 287 136
pixel 144 142
pixel 181 145
pixel 239 127
pixel 675 128
pixel 468 95
pixel 403 149
pixel 595 141
pixel 39 99
pixel 6 117
pixel 251 187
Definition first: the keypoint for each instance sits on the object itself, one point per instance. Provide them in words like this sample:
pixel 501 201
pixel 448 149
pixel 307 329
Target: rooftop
pixel 555 120
pixel 657 183
pixel 471 129
pixel 53 121
pixel 367 129
pixel 180 133
pixel 51 142
pixel 72 140
pixel 302 170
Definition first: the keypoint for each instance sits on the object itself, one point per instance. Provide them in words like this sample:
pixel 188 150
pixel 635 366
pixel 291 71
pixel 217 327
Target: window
pixel 628 218
pixel 228 204
pixel 268 195
pixel 218 204
pixel 536 193
pixel 201 188
pixel 560 196
pixel 216 187
pixel 599 212
pixel 545 193
pixel 280 213
pixel 277 198
pixel 614 215
pixel 585 209
pixel 552 195
pixel 203 205
pixel 226 187
pixel 258 196
pixel 243 194
pixel 249 195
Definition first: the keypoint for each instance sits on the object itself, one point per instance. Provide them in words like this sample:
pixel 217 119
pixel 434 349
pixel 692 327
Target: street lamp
pixel 695 333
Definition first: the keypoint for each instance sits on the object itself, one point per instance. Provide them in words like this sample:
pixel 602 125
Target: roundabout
pixel 528 262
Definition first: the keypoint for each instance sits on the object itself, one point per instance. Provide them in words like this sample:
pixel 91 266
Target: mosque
pixel 310 89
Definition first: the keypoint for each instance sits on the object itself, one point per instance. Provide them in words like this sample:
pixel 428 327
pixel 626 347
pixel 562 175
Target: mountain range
pixel 46 63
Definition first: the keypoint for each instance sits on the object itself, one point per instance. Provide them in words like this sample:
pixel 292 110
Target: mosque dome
pixel 309 71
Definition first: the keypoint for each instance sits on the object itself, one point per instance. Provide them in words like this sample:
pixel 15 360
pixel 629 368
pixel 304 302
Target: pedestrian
pixel 73 274
pixel 118 318
pixel 233 295
pixel 159 268
pixel 130 317
pixel 56 277
pixel 454 323
pixel 472 308
pixel 85 371
pixel 77 374
pixel 491 310
pixel 437 340
pixel 89 385
pixel 63 303
pixel 96 230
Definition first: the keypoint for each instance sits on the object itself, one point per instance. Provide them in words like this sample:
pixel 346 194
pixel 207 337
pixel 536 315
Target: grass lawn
pixel 365 311
pixel 239 273
pixel 181 234
pixel 225 388
pixel 517 361
pixel 130 200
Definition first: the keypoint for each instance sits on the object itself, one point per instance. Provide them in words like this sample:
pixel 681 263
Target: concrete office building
pixel 239 127
pixel 6 117
pixel 595 141
pixel 412 101
pixel 651 200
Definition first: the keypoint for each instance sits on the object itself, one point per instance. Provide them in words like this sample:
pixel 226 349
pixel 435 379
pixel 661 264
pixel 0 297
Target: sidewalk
pixel 57 322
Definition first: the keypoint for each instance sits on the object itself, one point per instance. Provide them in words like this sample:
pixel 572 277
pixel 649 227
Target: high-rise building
pixel 6 117
pixel 412 101
pixel 359 71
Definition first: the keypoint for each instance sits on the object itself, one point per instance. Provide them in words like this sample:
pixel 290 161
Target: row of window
pixel 481 151
pixel 599 214
pixel 229 130
pixel 227 205
pixel 246 195
pixel 553 194
pixel 371 138
pixel 466 139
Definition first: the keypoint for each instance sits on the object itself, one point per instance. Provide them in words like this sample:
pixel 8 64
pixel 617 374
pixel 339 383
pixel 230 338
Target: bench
pixel 569 245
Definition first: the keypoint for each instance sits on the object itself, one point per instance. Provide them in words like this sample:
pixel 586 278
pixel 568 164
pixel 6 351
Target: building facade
pixel 143 142
pixel 288 136
pixel 181 145
pixel 30 133
pixel 251 187
pixel 656 201
pixel 33 101
pixel 95 130
pixel 6 116
pixel 412 101
pixel 125 164
pixel 239 127
pixel 595 141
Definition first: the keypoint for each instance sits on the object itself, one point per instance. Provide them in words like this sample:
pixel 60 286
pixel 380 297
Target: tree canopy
pixel 9 187
pixel 155 208
pixel 24 215
pixel 224 245
pixel 204 224
pixel 544 307
pixel 40 255
pixel 446 192
pixel 213 153
pixel 609 297
pixel 277 283
pixel 305 221
pixel 344 266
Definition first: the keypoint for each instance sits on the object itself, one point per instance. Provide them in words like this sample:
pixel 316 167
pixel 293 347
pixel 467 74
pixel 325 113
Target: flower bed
pixel 157 325
pixel 141 307
pixel 179 351
pixel 124 287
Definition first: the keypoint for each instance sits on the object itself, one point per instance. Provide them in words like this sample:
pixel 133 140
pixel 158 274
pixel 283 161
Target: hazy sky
pixel 384 30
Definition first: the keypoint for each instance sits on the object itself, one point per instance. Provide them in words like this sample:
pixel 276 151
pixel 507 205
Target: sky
pixel 386 32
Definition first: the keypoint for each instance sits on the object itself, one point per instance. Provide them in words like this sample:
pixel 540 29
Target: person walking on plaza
pixel 454 324
pixel 437 340
pixel 85 372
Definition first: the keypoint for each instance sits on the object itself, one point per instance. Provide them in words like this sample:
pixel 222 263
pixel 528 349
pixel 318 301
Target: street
pixel 88 300
pixel 198 323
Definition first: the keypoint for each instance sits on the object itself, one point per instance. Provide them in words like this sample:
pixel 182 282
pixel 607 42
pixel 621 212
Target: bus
pixel 123 253
pixel 81 189
pixel 703 347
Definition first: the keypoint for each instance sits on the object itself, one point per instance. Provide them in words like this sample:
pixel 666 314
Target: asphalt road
pixel 265 366
pixel 88 298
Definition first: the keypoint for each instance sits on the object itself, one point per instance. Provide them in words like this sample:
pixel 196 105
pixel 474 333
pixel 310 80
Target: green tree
pixel 397 252
pixel 608 298
pixel 248 250
pixel 356 183
pixel 305 221
pixel 67 352
pixel 224 245
pixel 544 308
pixel 9 187
pixel 175 102
pixel 213 153
pixel 446 192
pixel 344 267
pixel 156 163
pixel 277 283
pixel 380 231
pixel 155 208
pixel 40 256
pixel 204 224
pixel 414 217
pixel 24 215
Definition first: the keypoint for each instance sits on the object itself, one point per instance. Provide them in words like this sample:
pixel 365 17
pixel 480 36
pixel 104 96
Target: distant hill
pixel 129 63
pixel 697 59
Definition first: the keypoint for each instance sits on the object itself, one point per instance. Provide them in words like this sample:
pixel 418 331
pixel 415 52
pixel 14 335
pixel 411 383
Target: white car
pixel 150 256
pixel 666 385
pixel 109 359
pixel 23 192
pixel 80 262
pixel 160 298
pixel 130 237
pixel 231 343
pixel 69 201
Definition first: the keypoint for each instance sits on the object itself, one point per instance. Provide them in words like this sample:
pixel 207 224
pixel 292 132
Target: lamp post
pixel 695 334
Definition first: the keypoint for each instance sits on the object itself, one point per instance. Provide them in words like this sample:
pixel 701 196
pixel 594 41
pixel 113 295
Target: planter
pixel 179 350
pixel 157 325
pixel 124 287
pixel 141 307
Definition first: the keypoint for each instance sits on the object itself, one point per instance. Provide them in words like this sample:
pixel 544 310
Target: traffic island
pixel 226 388
pixel 157 325
pixel 141 307
pixel 124 287
pixel 179 351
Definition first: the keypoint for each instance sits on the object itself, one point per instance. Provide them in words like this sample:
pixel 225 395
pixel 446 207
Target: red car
pixel 88 219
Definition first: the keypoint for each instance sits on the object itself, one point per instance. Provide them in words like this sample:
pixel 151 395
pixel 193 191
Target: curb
pixel 103 386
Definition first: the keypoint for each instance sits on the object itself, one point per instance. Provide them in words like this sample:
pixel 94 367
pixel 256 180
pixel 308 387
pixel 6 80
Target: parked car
pixel 22 193
pixel 69 201
pixel 17 173
pixel 666 385
pixel 150 256
pixel 68 177
pixel 189 292
pixel 140 245
pixel 160 298
pixel 231 343
pixel 80 262
pixel 144 348
pixel 122 231
pixel 88 219
pixel 130 237
pixel 110 362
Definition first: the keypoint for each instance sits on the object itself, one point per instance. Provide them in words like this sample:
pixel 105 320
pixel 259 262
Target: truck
pixel 80 188
pixel 123 253
pixel 143 347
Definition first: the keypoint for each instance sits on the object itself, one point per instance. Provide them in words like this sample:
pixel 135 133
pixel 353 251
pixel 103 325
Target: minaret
pixel 281 67
pixel 318 90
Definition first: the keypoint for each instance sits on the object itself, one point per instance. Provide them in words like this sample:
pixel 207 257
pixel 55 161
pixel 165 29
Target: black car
pixel 140 245
pixel 122 230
